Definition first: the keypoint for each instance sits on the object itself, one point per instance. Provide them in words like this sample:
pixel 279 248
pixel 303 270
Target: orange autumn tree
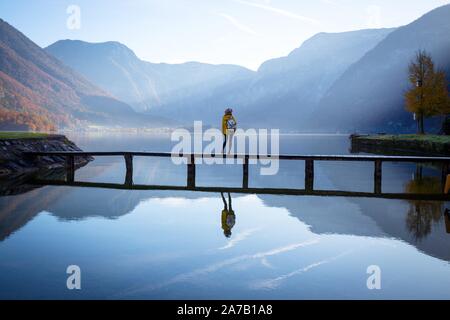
pixel 443 99
pixel 14 120
pixel 429 94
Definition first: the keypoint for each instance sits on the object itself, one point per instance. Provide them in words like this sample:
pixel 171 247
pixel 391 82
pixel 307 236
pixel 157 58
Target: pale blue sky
pixel 244 32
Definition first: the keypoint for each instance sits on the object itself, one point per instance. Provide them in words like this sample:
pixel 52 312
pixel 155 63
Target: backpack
pixel 231 220
pixel 231 124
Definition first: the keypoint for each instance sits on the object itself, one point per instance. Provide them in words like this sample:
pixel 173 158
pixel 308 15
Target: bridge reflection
pixel 418 189
pixel 272 191
pixel 423 219
pixel 424 195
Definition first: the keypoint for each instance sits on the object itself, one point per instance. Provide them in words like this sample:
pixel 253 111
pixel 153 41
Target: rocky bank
pixel 13 160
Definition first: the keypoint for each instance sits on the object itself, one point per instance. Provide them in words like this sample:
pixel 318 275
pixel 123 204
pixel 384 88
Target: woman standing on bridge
pixel 228 128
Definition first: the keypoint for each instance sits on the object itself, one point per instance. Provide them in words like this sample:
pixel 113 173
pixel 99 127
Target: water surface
pixel 173 244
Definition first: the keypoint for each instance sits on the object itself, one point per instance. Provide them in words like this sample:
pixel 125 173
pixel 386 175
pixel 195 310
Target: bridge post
pixel 70 168
pixel 245 172
pixel 378 176
pixel 191 172
pixel 129 166
pixel 445 180
pixel 309 175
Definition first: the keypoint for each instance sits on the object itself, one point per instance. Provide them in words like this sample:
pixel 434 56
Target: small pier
pixel 308 189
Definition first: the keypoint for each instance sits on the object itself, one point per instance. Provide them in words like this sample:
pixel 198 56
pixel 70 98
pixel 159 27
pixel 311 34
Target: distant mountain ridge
pixel 334 82
pixel 144 85
pixel 198 91
pixel 110 65
pixel 37 91
pixel 369 95
pixel 291 87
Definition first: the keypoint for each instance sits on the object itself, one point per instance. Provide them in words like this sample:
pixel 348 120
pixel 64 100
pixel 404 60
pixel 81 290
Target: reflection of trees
pixel 423 213
pixel 447 220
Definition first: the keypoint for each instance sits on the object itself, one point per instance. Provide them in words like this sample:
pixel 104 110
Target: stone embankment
pixel 14 161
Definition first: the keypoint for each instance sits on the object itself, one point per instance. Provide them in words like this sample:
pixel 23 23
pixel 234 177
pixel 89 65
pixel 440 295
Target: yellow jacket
pixel 228 220
pixel 224 122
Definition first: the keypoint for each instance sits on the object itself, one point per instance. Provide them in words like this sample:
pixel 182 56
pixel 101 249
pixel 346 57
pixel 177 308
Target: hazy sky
pixel 245 32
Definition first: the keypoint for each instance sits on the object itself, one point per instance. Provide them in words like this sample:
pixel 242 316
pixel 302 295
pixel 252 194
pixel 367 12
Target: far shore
pixel 107 130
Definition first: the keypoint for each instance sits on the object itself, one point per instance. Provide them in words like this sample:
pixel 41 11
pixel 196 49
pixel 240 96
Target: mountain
pixel 157 87
pixel 287 88
pixel 369 95
pixel 111 66
pixel 198 91
pixel 350 81
pixel 37 91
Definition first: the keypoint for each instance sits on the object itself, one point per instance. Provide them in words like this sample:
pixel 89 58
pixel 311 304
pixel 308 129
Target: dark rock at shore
pixel 13 160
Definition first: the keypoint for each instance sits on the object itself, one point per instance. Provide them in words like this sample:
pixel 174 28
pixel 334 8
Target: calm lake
pixel 180 245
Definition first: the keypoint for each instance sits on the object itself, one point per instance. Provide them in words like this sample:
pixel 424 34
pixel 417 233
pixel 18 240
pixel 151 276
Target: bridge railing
pixel 245 158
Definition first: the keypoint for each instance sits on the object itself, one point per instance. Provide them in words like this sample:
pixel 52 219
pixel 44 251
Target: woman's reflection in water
pixel 228 216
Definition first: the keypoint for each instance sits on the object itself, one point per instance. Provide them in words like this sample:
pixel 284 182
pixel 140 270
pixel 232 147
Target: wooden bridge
pixel 245 159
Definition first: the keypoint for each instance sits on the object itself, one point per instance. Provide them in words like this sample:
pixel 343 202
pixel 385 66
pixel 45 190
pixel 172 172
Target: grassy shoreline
pixel 411 137
pixel 8 135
